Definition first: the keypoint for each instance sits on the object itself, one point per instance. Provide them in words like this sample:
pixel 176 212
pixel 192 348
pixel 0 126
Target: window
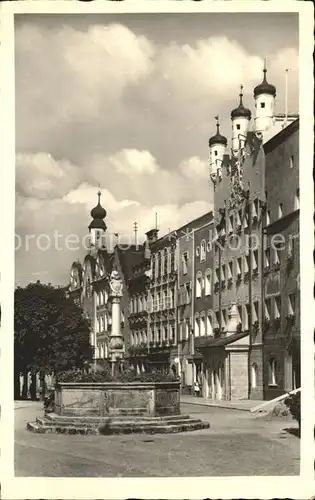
pixel 187 328
pixel 276 256
pixel 203 251
pixel 262 104
pixel 273 371
pixel 277 307
pixel 185 262
pixel 297 200
pixel 199 285
pixel 245 317
pixel 291 161
pixel 255 260
pixel 255 311
pixel 230 270
pixel 216 275
pixel 223 273
pixel 165 260
pixel 268 217
pixel 197 326
pixel 246 263
pixel 215 153
pixel 216 319
pixel 280 210
pixel 209 324
pixel 188 292
pixel 254 375
pixel 202 325
pixel 238 126
pixel 291 304
pixel 208 282
pixel 239 266
pixel 267 257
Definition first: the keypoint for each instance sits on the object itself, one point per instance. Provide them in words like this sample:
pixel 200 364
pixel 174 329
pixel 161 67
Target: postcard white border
pixel 215 487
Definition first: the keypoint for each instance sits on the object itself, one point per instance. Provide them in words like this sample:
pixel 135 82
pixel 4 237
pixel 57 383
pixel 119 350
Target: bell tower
pixel 265 96
pixel 240 117
pixel 97 226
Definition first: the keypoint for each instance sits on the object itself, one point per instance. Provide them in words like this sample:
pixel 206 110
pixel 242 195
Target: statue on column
pixel 116 343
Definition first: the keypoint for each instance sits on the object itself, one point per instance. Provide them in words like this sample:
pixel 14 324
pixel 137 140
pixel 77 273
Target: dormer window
pixel 262 104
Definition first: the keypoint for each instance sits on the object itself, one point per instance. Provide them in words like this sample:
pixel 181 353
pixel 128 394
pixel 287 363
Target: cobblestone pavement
pixel 237 443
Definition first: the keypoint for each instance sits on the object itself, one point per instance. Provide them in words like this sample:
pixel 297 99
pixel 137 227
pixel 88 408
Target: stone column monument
pixel 116 344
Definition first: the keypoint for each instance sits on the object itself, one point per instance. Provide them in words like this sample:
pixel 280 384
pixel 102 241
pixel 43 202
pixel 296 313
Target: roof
pixel 282 136
pixel 264 87
pixel 219 341
pixel 129 258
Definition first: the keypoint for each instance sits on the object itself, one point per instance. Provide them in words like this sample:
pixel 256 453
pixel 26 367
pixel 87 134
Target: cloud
pixel 41 176
pixel 134 162
pixel 105 104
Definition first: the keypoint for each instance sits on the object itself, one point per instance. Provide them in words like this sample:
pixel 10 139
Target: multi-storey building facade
pixel 138 286
pixel 89 284
pixel 192 239
pixel 162 301
pixel 217 300
pixel 281 264
pixel 239 210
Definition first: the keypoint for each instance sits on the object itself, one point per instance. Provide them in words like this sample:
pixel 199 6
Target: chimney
pixel 152 236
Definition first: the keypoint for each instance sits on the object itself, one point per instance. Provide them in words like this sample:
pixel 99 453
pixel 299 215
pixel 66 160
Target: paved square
pixel 237 443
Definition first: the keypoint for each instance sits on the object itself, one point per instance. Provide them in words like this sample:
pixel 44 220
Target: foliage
pixel 293 402
pixel 51 332
pixel 127 375
pixel 82 376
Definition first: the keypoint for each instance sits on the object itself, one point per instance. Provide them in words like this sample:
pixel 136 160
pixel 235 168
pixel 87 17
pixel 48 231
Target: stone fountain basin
pixel 117 398
pixel 116 408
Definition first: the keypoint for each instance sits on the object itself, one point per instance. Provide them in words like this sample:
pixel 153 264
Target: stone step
pixel 55 429
pixel 44 426
pixel 95 420
pixel 110 421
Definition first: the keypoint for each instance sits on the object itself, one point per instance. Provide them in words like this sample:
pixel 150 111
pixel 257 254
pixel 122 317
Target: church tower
pixel 240 117
pixel 97 226
pixel 265 96
pixel 217 146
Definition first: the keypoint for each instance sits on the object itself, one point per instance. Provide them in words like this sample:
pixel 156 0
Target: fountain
pixel 115 406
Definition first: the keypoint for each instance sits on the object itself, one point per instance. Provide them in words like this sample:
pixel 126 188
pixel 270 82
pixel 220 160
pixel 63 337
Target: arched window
pixel 202 324
pixel 209 324
pixel 273 371
pixel 254 375
pixel 197 325
pixel 208 282
pixel 203 251
pixel 199 284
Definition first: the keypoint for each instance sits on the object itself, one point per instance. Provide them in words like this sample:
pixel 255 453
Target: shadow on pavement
pixel 295 431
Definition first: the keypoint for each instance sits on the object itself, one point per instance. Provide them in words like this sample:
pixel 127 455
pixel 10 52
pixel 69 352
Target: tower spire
pixel 241 95
pixel 217 123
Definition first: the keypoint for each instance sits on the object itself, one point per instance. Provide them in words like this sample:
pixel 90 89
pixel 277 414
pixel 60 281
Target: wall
pixel 280 172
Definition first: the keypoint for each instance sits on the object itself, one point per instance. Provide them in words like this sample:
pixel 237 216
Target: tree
pixel 51 332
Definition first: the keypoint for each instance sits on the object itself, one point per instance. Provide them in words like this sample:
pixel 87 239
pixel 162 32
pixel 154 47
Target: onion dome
pixel 264 87
pixel 217 138
pixel 98 215
pixel 241 111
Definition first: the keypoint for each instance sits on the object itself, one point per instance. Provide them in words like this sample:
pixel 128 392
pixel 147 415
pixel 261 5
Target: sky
pixel 128 102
